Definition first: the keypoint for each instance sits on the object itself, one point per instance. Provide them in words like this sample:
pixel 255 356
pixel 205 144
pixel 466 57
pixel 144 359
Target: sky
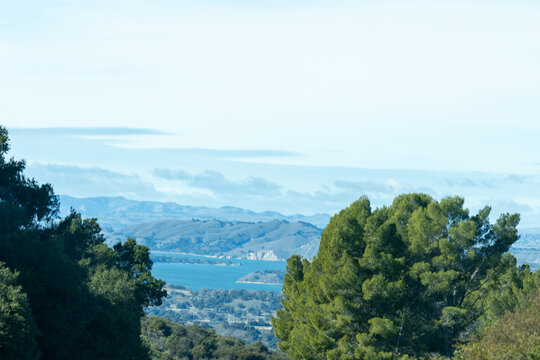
pixel 292 106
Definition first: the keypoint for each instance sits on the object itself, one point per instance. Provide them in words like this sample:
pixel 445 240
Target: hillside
pixel 272 240
pixel 118 212
pixel 264 277
pixel 171 341
pixel 120 217
pixel 527 248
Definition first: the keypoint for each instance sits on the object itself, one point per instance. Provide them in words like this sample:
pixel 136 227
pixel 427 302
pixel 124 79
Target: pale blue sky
pixel 299 99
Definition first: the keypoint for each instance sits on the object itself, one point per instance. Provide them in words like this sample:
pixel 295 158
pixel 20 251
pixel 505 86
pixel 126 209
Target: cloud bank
pixel 87 131
pixel 217 183
pixel 88 182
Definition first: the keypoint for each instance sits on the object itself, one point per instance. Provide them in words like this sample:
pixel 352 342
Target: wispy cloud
pixel 90 131
pixel 485 181
pixel 156 145
pixel 84 182
pixel 382 188
pixel 225 153
pixel 219 184
pixel 389 186
pixel 261 194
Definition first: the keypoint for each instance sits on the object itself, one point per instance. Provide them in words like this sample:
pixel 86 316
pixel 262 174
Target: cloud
pixel 485 181
pixel 87 182
pixel 212 188
pixel 220 185
pixel 150 145
pixel 260 194
pixel 86 131
pixel 380 189
pixel 390 186
pixel 471 183
pixel 519 179
pixel 510 206
pixel 224 153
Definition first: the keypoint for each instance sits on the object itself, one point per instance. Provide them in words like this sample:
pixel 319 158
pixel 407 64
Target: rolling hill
pixel 117 212
pixel 272 240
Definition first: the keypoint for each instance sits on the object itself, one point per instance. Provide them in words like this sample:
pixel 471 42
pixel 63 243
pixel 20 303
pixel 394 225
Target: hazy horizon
pixel 289 106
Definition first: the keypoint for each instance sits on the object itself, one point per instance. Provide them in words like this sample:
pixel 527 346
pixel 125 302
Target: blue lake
pixel 211 276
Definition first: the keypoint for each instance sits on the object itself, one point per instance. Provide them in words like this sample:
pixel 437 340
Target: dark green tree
pixel 23 203
pixel 17 327
pixel 74 297
pixel 403 280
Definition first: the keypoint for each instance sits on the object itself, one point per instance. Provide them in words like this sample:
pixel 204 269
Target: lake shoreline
pixel 198 276
pixel 247 257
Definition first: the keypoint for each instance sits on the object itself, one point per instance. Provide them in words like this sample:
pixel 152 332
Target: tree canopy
pixel 17 327
pixel 514 336
pixel 64 294
pixel 170 341
pixel 400 281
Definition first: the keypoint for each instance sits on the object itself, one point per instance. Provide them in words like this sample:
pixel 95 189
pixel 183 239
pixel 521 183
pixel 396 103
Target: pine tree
pixel 403 280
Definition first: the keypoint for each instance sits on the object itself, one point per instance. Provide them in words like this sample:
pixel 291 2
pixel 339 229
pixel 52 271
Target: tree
pixel 23 203
pixel 171 341
pixel 17 327
pixel 64 293
pixel 135 260
pixel 515 336
pixel 403 280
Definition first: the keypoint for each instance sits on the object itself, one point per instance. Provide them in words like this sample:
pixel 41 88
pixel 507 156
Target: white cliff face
pixel 267 255
pixel 308 250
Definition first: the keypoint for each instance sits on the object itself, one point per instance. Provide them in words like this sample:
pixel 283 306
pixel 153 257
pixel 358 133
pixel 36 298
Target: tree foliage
pixel 65 294
pixel 170 341
pixel 17 327
pixel 398 281
pixel 515 336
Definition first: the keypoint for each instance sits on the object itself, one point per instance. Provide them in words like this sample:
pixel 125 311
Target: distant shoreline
pixel 257 282
pixel 164 257
pixel 213 256
pixel 182 253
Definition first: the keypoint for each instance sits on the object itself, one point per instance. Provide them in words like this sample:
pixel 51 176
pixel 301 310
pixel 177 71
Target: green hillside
pixel 271 240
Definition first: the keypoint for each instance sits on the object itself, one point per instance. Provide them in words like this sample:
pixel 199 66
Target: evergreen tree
pixel 403 280
pixel 17 327
pixel 64 294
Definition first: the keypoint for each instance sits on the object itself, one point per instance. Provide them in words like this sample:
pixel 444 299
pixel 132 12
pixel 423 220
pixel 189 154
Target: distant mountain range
pixel 115 213
pixel 227 231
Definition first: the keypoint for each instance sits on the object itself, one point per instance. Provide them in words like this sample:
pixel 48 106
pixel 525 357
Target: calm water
pixel 199 276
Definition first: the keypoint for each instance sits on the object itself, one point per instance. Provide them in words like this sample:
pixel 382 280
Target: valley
pixel 240 313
